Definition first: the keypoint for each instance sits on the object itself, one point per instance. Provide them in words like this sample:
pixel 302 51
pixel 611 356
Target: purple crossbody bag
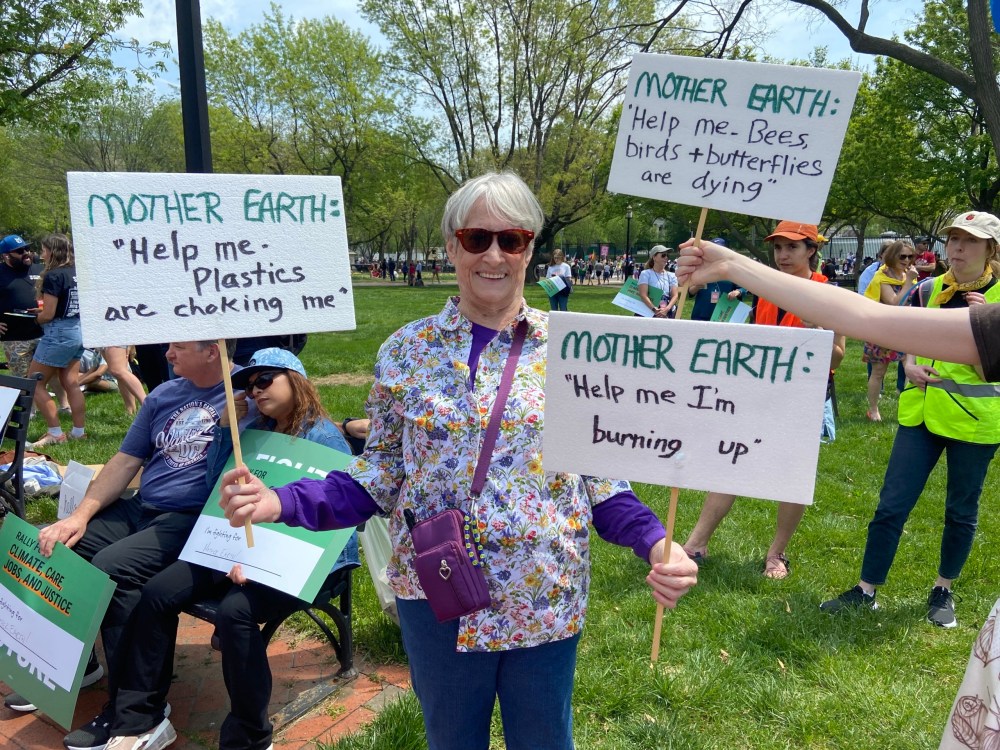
pixel 449 561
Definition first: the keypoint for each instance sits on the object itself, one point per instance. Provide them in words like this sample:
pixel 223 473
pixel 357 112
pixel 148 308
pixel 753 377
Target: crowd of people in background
pixel 489 226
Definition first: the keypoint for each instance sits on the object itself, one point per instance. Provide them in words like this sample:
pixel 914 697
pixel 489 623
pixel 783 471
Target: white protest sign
pixel 76 481
pixel 8 397
pixel 732 136
pixel 708 406
pixel 172 257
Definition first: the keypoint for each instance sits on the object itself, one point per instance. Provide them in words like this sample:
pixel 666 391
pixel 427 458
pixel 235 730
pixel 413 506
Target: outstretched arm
pixel 941 334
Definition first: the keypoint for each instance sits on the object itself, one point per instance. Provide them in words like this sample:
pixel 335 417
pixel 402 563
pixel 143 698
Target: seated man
pixel 133 539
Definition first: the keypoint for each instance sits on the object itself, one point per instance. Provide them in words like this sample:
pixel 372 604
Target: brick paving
pixel 301 668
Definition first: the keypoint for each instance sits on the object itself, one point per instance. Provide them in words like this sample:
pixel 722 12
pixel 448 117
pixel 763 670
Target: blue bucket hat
pixel 267 359
pixel 13 242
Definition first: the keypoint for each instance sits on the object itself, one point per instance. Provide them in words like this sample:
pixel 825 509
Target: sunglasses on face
pixel 262 382
pixel 906 257
pixel 510 241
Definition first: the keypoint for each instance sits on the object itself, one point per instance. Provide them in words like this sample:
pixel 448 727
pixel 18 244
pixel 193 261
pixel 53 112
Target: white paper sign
pixel 708 406
pixel 76 480
pixel 8 397
pixel 37 640
pixel 733 136
pixel 276 560
pixel 172 257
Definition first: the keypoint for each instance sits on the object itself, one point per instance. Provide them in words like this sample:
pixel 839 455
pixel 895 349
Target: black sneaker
pixel 855 598
pixel 94 672
pixel 941 608
pixel 94 735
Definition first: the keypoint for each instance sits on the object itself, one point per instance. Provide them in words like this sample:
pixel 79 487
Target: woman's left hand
pixel 236 575
pixel 672 579
pixel 974 298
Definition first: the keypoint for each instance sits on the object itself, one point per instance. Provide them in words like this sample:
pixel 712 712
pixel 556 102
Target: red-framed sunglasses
pixel 511 241
pixel 263 381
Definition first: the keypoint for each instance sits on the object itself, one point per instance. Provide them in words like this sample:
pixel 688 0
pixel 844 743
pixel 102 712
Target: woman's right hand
pixel 911 275
pixel 249 500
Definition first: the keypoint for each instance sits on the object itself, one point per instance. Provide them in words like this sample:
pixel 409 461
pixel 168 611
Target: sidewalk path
pixel 199 701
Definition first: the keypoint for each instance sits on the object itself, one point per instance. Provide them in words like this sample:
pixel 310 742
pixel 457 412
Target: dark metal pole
pixel 194 100
pixel 628 230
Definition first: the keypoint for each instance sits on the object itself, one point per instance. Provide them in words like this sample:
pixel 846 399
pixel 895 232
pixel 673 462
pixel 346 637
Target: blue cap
pixel 267 359
pixel 720 241
pixel 13 242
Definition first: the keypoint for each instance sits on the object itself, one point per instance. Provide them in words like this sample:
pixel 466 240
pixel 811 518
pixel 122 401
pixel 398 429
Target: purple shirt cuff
pixel 337 502
pixel 625 520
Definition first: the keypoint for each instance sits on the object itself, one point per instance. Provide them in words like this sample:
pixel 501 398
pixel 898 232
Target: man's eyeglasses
pixel 262 382
pixel 511 241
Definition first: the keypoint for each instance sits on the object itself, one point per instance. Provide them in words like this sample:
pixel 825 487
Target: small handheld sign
pixel 195 257
pixel 734 136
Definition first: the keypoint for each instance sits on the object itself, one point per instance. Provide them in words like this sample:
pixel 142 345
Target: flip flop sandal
pixel 777 567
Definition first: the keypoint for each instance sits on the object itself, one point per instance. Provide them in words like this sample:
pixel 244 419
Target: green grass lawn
pixel 746 662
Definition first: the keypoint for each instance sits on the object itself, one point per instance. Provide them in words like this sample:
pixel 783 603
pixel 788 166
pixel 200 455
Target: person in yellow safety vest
pixel 946 408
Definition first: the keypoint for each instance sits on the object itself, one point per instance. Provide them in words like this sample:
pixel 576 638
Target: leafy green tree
pixel 54 54
pixel 127 130
pixel 305 97
pixel 953 46
pixel 529 85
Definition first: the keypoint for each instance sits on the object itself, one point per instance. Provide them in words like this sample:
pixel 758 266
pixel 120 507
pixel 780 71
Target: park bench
pixel 13 444
pixel 333 600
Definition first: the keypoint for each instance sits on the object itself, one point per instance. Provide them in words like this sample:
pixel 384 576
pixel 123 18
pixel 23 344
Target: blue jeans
pixel 915 451
pixel 560 300
pixel 457 691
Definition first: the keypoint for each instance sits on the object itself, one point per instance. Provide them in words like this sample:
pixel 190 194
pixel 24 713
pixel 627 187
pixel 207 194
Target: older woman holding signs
pixel 456 424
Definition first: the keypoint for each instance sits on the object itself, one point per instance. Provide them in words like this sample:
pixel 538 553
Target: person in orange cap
pixel 795 248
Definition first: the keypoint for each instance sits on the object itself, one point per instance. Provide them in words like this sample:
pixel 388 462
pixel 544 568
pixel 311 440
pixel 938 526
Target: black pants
pixel 131 544
pixel 153 633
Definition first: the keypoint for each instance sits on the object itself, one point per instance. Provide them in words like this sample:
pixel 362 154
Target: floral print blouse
pixel 426 431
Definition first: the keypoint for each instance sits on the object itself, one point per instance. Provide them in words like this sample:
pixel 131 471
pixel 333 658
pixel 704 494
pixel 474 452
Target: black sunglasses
pixel 906 257
pixel 511 241
pixel 263 381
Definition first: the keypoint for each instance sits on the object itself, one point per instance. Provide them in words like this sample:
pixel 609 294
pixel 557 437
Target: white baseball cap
pixel 977 223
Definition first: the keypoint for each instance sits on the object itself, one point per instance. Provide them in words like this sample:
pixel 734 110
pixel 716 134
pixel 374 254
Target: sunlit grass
pixel 745 662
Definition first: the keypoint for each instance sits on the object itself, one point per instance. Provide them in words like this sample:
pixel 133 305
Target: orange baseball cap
pixel 795 231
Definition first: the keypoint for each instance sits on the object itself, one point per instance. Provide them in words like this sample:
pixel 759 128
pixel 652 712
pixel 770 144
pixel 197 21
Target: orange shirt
pixel 767 312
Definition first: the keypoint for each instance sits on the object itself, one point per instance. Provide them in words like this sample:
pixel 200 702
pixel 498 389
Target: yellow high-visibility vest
pixel 961 406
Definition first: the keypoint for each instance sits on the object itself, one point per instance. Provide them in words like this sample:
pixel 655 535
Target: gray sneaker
pixel 157 738
pixel 855 598
pixel 941 607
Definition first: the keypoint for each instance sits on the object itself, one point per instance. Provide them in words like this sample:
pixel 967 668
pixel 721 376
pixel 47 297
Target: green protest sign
pixel 552 285
pixel 629 299
pixel 730 311
pixel 293 560
pixel 50 612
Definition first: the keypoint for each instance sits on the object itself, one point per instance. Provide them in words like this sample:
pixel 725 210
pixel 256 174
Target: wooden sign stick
pixel 672 510
pixel 234 427
pixel 658 624
pixel 697 242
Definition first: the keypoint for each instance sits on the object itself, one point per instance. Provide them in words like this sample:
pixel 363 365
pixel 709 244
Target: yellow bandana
pixel 951 285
